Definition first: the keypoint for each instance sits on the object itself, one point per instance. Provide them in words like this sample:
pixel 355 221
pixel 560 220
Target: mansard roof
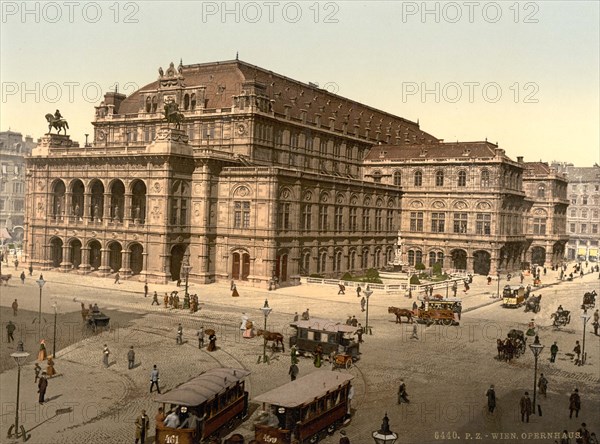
pixel 583 174
pixel 223 80
pixel 438 151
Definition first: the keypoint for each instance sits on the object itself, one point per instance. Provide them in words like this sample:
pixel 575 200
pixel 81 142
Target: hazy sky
pixel 523 74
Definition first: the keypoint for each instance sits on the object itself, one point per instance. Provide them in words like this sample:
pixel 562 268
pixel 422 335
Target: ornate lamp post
pixel 266 310
pixel 40 283
pixel 16 430
pixel 536 348
pixel 368 293
pixel 498 276
pixel 384 435
pixel 186 268
pixel 55 307
pixel 584 317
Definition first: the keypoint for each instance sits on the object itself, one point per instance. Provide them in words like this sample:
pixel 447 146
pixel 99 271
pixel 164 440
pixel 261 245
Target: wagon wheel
pixel 313 439
pixel 348 363
pixel 447 321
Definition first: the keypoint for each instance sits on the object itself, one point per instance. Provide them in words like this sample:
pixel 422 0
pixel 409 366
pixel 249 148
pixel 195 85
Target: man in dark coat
pixel 402 395
pixel 293 372
pixel 10 329
pixel 130 358
pixel 42 386
pixel 491 399
pixel 142 424
pixel 146 289
pixel 574 403
pixel 553 352
pixel 526 407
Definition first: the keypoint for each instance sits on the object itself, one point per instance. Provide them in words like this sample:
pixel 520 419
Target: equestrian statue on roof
pixel 172 114
pixel 57 122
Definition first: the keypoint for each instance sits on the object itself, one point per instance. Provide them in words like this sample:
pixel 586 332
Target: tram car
pixel 513 296
pixel 333 337
pixel 438 311
pixel 210 403
pixel 307 409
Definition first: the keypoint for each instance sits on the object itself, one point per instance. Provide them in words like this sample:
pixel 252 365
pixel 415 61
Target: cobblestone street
pixel 447 370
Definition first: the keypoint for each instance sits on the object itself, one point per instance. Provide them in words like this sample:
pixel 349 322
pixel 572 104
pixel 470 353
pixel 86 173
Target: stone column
pixel 106 209
pixel 125 263
pixel 85 266
pixel 87 209
pixel 104 268
pixel 66 264
pixel 127 209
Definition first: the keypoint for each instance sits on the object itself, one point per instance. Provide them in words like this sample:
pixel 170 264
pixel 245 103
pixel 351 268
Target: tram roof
pixel 305 389
pixel 324 325
pixel 203 387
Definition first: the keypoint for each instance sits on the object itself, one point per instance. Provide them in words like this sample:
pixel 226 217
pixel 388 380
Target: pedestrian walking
pixel 15 307
pixel 489 280
pixel 16 263
pixel 142 424
pixel 234 292
pixel 10 329
pixel 145 289
pixel 22 277
pixel 491 398
pixel 130 358
pixel 582 435
pixel 342 288
pixel 402 394
pixel 212 342
pixel 179 338
pixel 30 270
pixel 414 332
pixel 553 352
pixel 454 288
pixel 37 369
pixel 42 387
pixel 105 355
pixel 543 385
pixel 358 290
pixel 577 351
pixel 526 407
pixel 344 438
pixel 596 322
pixel 50 367
pixel 296 316
pixel 42 355
pixel 574 403
pixel 155 299
pixel 359 333
pixel 200 334
pixel 154 379
pixel 117 278
pixel 458 309
pixel 363 302
pixel 293 372
pixel 318 356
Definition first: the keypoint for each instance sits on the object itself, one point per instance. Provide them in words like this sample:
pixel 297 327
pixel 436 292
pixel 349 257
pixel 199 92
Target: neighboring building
pixel 263 180
pixel 583 215
pixel 547 218
pixel 463 204
pixel 13 150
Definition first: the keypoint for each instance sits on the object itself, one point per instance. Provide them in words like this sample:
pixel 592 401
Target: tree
pixel 372 275
pixel 437 269
pixel 414 280
pixel 419 266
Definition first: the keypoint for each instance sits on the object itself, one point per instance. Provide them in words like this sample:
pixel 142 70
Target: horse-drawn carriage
pixel 513 346
pixel 589 300
pixel 513 296
pixel 533 303
pixel 342 360
pixel 96 321
pixel 439 311
pixel 561 318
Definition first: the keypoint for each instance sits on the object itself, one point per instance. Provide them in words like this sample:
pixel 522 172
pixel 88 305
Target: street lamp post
pixel 41 283
pixel 536 348
pixel 266 310
pixel 584 317
pixel 368 293
pixel 498 276
pixel 55 306
pixel 20 356
pixel 384 435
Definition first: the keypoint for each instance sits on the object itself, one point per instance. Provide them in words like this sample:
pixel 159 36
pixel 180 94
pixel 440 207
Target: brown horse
pixel 401 312
pixel 5 278
pixel 277 338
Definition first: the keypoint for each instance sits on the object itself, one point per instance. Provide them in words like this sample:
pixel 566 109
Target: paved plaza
pixel 447 370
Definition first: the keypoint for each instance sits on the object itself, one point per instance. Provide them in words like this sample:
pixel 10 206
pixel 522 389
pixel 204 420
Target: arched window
pixel 322 262
pixel 541 192
pixel 337 261
pixel 411 258
pixel 418 178
pixel 154 104
pixel 439 179
pixel 462 179
pixel 186 102
pixel 193 101
pixel 148 105
pixel 365 259
pixel 485 179
pixel 305 265
pixel 397 178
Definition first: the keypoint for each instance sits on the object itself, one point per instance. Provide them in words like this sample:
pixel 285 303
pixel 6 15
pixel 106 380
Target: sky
pixel 522 74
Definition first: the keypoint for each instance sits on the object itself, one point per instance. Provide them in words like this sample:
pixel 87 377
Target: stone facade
pixel 262 182
pixel 583 215
pixel 466 206
pixel 13 150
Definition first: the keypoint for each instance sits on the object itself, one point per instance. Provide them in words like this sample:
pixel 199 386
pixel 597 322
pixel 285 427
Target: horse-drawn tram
pixel 307 409
pixel 205 404
pixel 438 310
pixel 331 335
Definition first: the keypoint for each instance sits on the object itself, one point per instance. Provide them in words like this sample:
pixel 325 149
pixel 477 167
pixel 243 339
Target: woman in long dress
pixel 212 343
pixel 318 356
pixel 42 353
